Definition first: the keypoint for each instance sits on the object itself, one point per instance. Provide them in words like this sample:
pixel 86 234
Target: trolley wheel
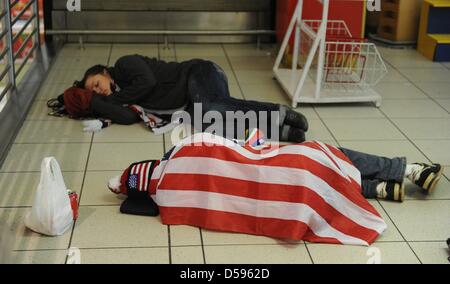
pixel 378 104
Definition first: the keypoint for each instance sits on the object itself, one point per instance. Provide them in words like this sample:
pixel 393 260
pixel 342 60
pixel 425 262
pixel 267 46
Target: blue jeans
pixel 208 85
pixel 376 169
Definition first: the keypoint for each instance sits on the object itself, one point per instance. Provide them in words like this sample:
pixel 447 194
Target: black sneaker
pixel 295 119
pixel 427 176
pixel 292 134
pixel 393 190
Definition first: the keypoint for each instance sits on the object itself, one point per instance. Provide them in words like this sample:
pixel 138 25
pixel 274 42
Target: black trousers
pixel 208 85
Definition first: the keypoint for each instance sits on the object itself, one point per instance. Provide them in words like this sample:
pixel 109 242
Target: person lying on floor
pixel 165 87
pixel 307 191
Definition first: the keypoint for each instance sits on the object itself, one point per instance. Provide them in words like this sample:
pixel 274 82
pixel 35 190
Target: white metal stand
pixel 335 67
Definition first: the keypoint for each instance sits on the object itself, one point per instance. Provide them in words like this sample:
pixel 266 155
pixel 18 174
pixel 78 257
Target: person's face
pixel 100 83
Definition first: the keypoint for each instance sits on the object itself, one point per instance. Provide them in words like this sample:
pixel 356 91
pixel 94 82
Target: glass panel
pixel 17 27
pixel 4 61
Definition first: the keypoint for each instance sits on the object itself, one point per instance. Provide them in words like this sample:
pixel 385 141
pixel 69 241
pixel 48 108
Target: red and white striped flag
pixel 308 191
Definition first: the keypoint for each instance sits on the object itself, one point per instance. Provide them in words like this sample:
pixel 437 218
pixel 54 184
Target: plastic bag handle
pixel 50 168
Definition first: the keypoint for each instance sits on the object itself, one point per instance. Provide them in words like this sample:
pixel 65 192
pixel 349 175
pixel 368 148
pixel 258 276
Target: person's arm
pixel 136 71
pixel 116 113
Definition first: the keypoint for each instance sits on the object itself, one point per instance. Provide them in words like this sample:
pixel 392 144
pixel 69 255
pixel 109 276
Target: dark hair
pixel 94 70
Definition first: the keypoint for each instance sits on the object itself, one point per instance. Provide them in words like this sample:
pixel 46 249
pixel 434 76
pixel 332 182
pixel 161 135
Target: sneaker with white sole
pixel 427 176
pixel 392 190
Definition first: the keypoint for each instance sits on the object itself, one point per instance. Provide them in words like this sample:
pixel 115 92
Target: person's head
pixel 77 102
pixel 134 179
pixel 98 80
pixel 136 183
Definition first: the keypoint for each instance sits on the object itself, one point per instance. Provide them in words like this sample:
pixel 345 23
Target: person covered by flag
pixel 309 191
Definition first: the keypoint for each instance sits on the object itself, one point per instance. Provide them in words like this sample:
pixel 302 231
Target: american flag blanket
pixel 308 191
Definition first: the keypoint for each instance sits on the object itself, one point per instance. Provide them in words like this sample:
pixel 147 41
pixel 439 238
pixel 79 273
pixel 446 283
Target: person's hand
pixel 94 125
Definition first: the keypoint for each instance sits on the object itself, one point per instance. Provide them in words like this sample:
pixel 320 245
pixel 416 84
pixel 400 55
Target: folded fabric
pixel 155 123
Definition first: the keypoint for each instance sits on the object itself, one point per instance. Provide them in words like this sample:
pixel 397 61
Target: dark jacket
pixel 117 113
pixel 149 82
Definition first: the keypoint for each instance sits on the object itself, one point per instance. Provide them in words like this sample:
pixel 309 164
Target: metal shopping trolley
pixel 329 65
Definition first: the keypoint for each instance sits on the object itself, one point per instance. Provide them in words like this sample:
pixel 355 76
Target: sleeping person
pixel 306 191
pixel 166 87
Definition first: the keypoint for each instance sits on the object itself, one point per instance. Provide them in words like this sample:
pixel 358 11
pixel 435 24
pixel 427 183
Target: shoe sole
pixel 399 192
pixel 432 180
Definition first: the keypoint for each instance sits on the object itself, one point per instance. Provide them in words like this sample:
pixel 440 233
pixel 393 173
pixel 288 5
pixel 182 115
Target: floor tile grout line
pixel 232 70
pixel 175 52
pixel 112 248
pixel 213 245
pixel 99 205
pixel 250 244
pixel 159 54
pixel 436 101
pixel 98 171
pixel 74 143
pixel 401 234
pixel 383 118
pixel 326 126
pixel 70 171
pixel 411 99
pixel 80 196
pixel 415 67
pixel 117 205
pixel 309 253
pixel 38 250
pixel 50 143
pixel 202 244
pixel 398 139
pixel 187 245
pixel 108 63
pixel 425 93
pixel 437 67
pixel 164 144
pixel 169 240
pixel 37 172
pixel 169 243
pixel 16 207
pixel 429 241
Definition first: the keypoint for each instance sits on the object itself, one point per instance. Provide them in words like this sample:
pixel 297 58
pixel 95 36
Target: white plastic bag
pixel 51 213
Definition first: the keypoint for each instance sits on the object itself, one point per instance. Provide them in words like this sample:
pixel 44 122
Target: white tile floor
pixel 413 121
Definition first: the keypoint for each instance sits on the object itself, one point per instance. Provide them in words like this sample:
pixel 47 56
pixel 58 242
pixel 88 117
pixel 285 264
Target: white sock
pixel 381 190
pixel 411 169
